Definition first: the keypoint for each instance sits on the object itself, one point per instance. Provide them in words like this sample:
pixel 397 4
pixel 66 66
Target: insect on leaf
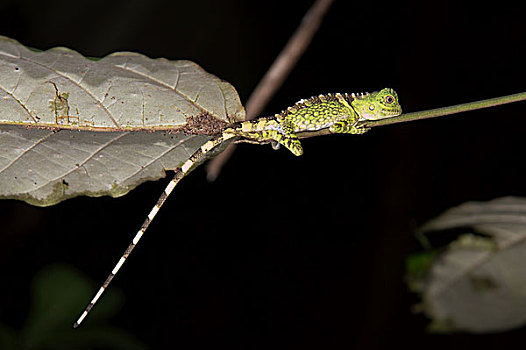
pixel 479 283
pixel 72 126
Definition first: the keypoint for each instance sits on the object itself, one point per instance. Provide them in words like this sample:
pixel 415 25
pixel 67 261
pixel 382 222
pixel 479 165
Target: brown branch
pixel 276 74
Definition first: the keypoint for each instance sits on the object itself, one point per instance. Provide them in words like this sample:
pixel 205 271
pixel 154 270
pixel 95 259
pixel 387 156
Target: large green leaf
pixel 73 126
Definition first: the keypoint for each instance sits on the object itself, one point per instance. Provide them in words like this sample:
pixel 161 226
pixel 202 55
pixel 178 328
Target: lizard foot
pixel 347 128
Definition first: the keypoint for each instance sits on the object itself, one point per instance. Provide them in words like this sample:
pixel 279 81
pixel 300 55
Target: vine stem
pixel 276 74
pixel 430 113
pixel 438 112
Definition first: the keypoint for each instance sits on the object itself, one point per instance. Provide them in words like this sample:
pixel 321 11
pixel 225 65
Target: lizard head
pixel 377 105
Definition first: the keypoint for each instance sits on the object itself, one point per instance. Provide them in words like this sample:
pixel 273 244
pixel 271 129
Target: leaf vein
pixel 162 83
pixel 97 102
pixel 17 158
pixel 154 159
pixel 20 104
pixel 97 151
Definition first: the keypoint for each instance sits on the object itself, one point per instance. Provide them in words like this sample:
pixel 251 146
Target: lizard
pixel 340 113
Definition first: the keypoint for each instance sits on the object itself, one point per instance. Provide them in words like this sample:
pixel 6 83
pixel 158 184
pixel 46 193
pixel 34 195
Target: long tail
pixel 179 174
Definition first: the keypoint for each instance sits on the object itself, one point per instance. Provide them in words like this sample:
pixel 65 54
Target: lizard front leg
pixel 347 126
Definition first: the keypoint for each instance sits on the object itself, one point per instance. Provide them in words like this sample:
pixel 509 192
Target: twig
pixel 287 59
pixel 431 113
pixel 276 74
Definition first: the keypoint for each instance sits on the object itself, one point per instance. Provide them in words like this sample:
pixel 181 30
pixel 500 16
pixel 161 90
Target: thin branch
pixel 276 74
pixel 465 107
pixel 287 59
pixel 431 113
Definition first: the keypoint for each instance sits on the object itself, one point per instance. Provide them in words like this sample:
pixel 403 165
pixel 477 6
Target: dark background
pixel 280 251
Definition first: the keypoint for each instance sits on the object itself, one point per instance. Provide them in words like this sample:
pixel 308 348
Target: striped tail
pixel 179 174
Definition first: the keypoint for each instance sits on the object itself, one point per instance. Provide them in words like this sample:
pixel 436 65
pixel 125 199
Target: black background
pixel 281 251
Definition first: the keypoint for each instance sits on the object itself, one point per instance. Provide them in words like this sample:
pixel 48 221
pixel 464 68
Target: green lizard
pixel 340 113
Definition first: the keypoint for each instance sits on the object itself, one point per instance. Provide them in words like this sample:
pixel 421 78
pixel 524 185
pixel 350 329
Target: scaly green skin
pixel 338 112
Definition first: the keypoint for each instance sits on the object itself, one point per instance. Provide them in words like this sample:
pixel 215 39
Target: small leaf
pixel 478 284
pixel 417 267
pixel 8 338
pixel 59 292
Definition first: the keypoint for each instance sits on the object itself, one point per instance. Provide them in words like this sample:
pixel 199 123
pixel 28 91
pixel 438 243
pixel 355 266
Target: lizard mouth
pixel 391 112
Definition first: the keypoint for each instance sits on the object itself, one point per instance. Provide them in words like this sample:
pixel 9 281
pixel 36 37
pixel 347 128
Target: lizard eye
pixel 389 99
pixel 371 107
